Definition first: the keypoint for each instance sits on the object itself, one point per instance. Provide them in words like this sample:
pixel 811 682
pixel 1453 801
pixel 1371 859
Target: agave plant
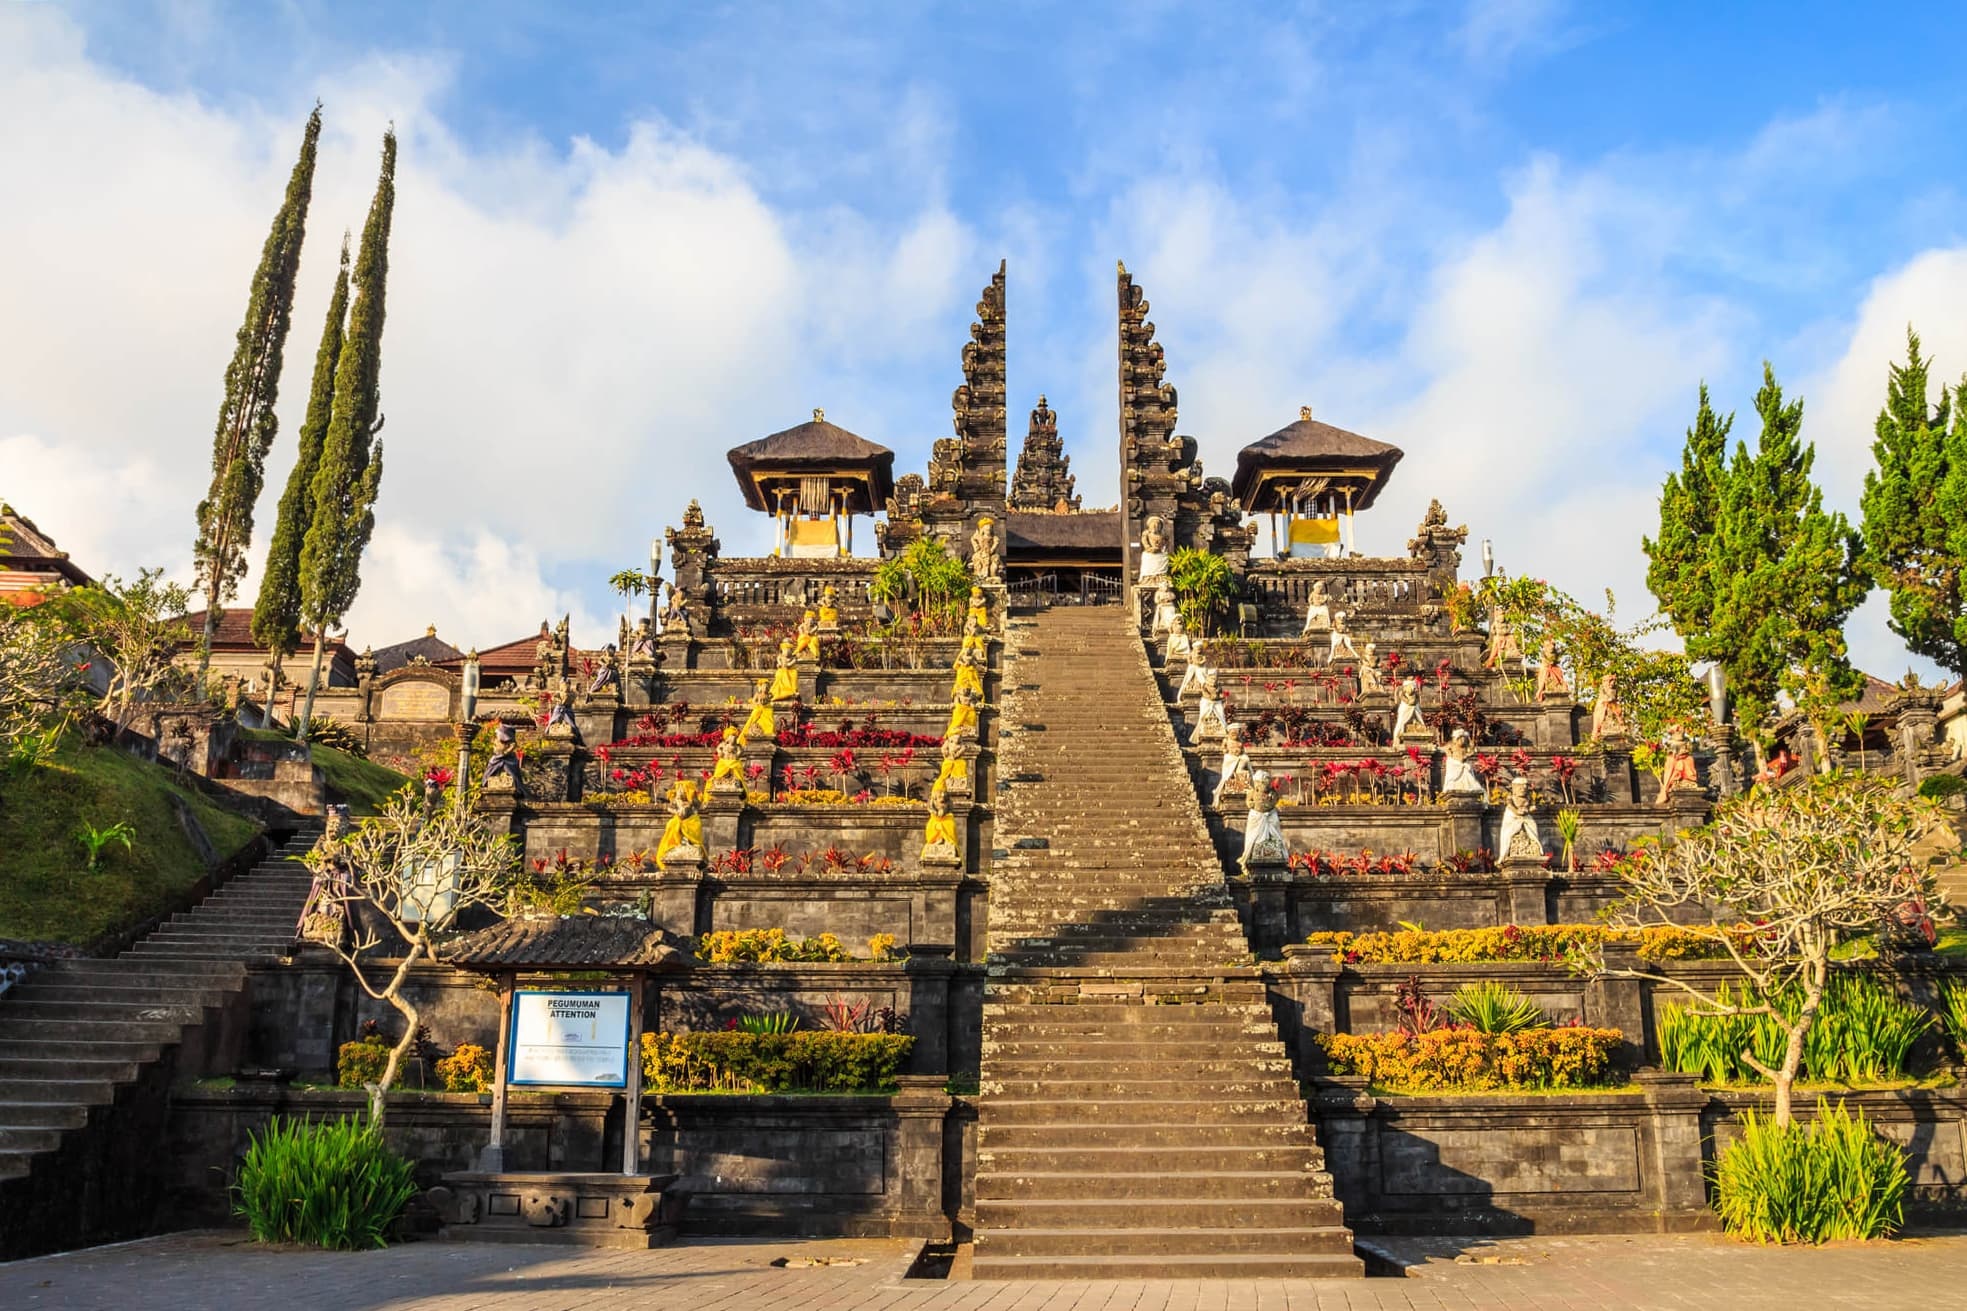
pixel 1493 1007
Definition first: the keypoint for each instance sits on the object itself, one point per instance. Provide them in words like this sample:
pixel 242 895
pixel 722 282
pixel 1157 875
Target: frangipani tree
pixel 388 888
pixel 1778 878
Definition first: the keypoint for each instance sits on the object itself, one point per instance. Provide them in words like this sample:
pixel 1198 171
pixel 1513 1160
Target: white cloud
pixel 574 337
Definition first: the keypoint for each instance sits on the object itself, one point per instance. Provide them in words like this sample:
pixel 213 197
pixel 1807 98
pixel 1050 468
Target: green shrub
pixel 1492 1007
pixel 361 1063
pixel 333 1184
pixel 735 1061
pixel 1463 1060
pixel 1940 787
pixel 1953 1017
pixel 1810 1182
pixel 468 1069
pixel 333 733
pixel 1864 1033
pixel 769 1022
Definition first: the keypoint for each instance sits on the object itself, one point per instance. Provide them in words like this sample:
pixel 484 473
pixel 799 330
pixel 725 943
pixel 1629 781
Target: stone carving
pixel 1676 765
pixel 643 647
pixel 939 832
pixel 1043 480
pixel 1154 549
pixel 986 552
pixel 1458 768
pixel 1166 613
pixel 785 679
pixel 1341 640
pixel 682 836
pixel 676 619
pixel 1263 833
pixel 1210 719
pixel 963 715
pixel 979 613
pixel 1518 838
pixel 1180 646
pixel 761 722
pixel 560 723
pixel 544 1210
pixel 502 766
pixel 727 775
pixel 1370 681
pixel 1318 609
pixel 829 610
pixel 1235 770
pixel 954 776
pixel 607 678
pixel 1551 683
pixel 1608 715
pixel 974 638
pixel 1407 718
pixel 1503 645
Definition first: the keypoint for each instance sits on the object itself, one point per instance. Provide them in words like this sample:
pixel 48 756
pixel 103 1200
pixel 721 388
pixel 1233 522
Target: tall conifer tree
pixel 1678 570
pixel 247 421
pixel 1915 512
pixel 351 458
pixel 277 612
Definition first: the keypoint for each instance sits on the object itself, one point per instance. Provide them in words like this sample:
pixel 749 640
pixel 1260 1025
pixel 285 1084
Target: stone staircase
pixel 1138 1116
pixel 87 1043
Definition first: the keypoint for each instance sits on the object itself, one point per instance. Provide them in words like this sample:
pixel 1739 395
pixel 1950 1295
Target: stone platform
pixel 578 1209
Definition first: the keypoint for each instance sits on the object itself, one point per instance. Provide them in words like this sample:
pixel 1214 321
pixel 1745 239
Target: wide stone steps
pixel 1269 1184
pixel 1065 1242
pixel 1011 1069
pixel 1041 1135
pixel 1247 1084
pixel 1107 1213
pixel 77 1030
pixel 1154 1162
pixel 1158 1261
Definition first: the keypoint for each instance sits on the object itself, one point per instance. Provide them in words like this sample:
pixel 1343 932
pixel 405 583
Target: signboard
pixel 418 699
pixel 569 1039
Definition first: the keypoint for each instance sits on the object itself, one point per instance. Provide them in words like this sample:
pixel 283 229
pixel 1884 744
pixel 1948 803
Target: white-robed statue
pixel 1518 836
pixel 1235 766
pixel 1341 639
pixel 1263 834
pixel 1154 549
pixel 1210 720
pixel 1180 646
pixel 1318 610
pixel 1166 613
pixel 1457 766
pixel 1407 711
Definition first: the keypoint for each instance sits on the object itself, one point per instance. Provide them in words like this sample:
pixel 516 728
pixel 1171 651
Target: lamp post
pixel 1488 558
pixel 467 728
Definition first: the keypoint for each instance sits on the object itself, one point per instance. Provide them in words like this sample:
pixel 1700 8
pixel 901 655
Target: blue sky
pixel 1511 237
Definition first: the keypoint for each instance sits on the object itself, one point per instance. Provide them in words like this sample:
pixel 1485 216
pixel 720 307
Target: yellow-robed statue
pixel 963 714
pixel 939 833
pixel 785 679
pixel 969 672
pixel 829 609
pixel 955 773
pixel 761 722
pixel 685 828
pixel 979 609
pixel 806 638
pixel 730 761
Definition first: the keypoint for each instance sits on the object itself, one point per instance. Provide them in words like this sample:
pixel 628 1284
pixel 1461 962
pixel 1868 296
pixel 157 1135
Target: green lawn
pixel 46 894
pixel 1952 944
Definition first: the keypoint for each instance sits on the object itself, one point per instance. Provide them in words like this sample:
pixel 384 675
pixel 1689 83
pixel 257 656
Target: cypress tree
pixel 1784 575
pixel 247 421
pixel 1678 568
pixel 350 469
pixel 277 612
pixel 1915 535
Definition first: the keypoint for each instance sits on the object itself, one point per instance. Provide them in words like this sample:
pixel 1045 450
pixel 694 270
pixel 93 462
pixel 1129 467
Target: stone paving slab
pixel 223 1271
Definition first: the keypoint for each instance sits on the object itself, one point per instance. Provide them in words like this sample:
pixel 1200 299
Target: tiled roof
pixel 570 942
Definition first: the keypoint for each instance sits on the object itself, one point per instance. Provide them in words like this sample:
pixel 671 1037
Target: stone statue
pixel 1407 719
pixel 1193 678
pixel 761 722
pixel 1341 639
pixel 1551 683
pixel 1236 764
pixel 727 775
pixel 1180 646
pixel 502 766
pixel 1608 715
pixel 676 613
pixel 785 679
pixel 1210 719
pixel 1369 674
pixel 1166 613
pixel 682 837
pixel 1263 834
pixel 1458 766
pixel 606 676
pixel 970 665
pixel 1676 765
pixel 1154 549
pixel 1318 610
pixel 560 723
pixel 939 832
pixel 1518 837
pixel 974 638
pixel 963 715
pixel 986 552
pixel 829 610
pixel 954 776
pixel 645 642
pixel 1503 646
pixel 979 609
pixel 806 638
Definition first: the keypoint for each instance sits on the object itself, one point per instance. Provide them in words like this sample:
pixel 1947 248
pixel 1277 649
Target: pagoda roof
pixel 815 446
pixel 1310 448
pixel 565 942
pixel 432 648
pixel 29 557
pixel 1075 530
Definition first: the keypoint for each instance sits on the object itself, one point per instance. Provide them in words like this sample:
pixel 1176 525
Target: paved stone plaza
pixel 221 1271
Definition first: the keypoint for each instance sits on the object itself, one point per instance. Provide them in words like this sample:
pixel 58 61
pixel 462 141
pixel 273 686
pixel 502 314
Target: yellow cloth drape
pixel 785 684
pixel 682 831
pixel 761 721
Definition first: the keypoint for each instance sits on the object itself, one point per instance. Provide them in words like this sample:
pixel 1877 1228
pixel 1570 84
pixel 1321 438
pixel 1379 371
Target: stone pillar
pixel 1268 918
pixel 920 1108
pixel 675 894
pixel 1621 785
pixel 1554 725
pixel 1676 1102
pixel 1724 772
pixel 722 812
pixel 1615 1001
pixel 1918 722
pixel 1304 998
pixel 1525 883
pixel 929 968
pixel 1688 807
pixel 1465 811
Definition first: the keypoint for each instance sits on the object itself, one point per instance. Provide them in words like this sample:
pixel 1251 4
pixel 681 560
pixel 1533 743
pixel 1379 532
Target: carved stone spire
pixel 1044 478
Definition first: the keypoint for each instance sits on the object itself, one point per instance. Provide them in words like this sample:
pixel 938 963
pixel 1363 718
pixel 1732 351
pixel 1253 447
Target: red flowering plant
pixel 1563 768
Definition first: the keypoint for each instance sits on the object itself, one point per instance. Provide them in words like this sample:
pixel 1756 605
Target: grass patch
pixel 1952 943
pixel 362 784
pixel 45 893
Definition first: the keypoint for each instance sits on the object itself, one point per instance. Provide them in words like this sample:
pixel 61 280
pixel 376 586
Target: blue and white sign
pixel 569 1040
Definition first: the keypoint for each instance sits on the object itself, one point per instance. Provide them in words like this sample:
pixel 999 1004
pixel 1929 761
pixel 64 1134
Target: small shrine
pixel 813 479
pixel 1314 477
